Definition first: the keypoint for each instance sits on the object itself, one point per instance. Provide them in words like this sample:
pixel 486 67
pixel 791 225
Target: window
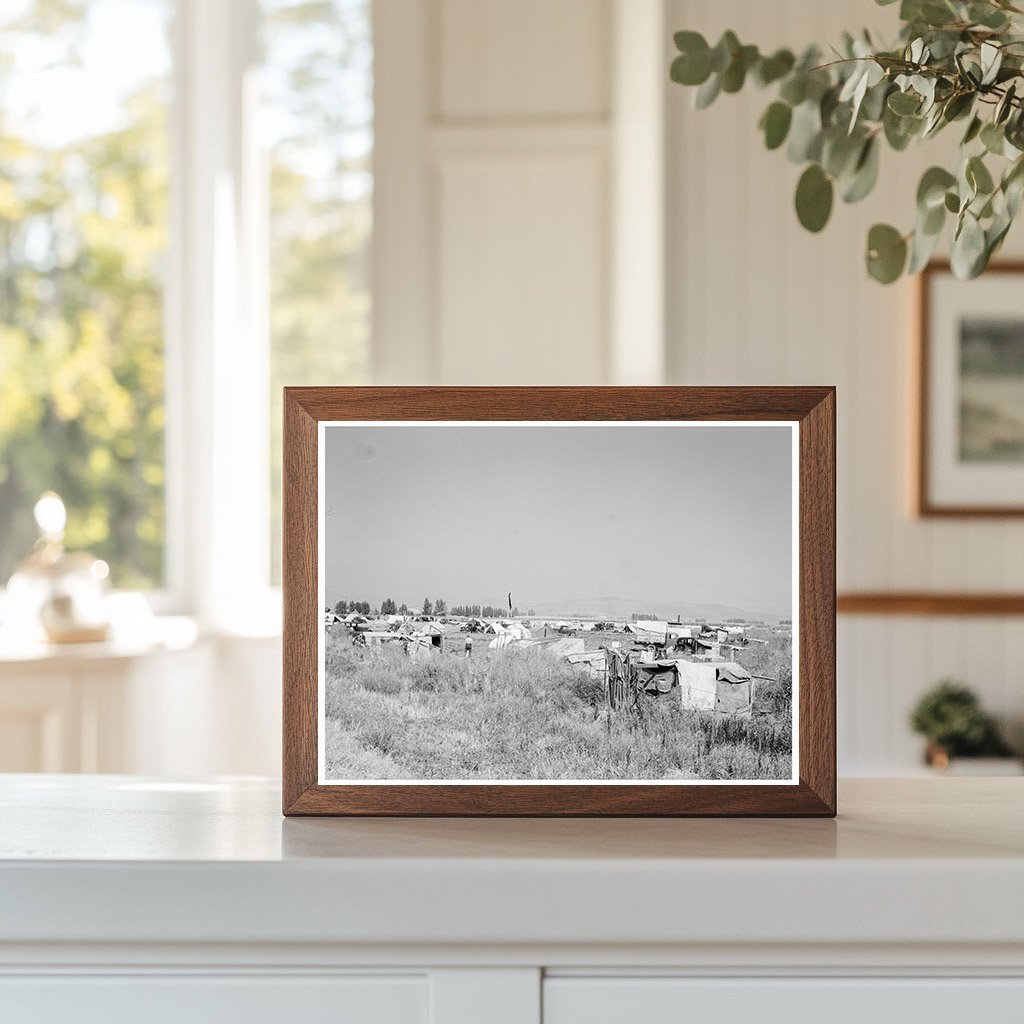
pixel 83 235
pixel 185 222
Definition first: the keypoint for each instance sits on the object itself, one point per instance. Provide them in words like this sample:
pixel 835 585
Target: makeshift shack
pixel 714 686
pixel 591 662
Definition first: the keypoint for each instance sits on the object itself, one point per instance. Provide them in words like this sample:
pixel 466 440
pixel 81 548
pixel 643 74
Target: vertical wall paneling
pixel 495 197
pixel 637 340
pixel 751 298
pixel 404 343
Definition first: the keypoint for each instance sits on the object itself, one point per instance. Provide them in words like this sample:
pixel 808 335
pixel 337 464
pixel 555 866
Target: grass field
pixel 523 714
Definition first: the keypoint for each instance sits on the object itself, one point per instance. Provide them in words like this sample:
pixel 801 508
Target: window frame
pixel 216 341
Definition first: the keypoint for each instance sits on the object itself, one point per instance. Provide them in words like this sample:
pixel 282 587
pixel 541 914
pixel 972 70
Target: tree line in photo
pixel 437 607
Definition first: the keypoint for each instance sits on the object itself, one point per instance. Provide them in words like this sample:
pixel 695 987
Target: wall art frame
pixel 662 412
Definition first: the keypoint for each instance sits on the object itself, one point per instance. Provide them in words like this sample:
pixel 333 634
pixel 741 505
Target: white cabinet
pixel 830 1000
pixel 133 900
pixel 200 999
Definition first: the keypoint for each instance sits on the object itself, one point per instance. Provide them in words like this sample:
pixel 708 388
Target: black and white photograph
pixel 557 602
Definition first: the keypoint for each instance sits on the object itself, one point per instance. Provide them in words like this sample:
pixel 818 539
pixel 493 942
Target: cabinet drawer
pixel 202 999
pixel 625 1000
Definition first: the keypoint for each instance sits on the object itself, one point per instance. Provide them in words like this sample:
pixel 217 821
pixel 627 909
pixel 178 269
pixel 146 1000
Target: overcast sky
pixel 662 513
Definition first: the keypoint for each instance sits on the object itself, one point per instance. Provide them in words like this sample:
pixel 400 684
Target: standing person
pixel 469 646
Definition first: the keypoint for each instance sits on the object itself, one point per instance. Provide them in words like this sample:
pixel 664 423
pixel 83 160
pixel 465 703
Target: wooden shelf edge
pixel 912 603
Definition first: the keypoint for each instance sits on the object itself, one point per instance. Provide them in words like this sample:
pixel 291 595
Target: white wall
pixel 754 299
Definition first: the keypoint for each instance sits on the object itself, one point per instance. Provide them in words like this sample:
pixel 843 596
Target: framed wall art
pixel 559 601
pixel 970 423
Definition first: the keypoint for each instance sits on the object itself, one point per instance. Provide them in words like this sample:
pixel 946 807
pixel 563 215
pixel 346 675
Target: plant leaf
pixel 805 133
pixel 968 248
pixel 886 254
pixel 707 93
pixel 775 124
pixel 922 247
pixel 771 69
pixel 993 138
pixel 978 176
pixel 931 191
pixel 991 60
pixel 814 195
pixel 794 89
pixel 903 103
pixel 865 174
pixel 973 129
pixel 693 65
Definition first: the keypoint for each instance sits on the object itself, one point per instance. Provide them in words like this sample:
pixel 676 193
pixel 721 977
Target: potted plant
pixel 950 718
pixel 956 62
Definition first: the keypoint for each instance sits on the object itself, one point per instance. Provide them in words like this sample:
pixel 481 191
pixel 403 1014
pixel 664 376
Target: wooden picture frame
pixel 811 410
pixel 935 480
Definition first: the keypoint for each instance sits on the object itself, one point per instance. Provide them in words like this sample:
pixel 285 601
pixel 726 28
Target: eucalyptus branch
pixel 955 61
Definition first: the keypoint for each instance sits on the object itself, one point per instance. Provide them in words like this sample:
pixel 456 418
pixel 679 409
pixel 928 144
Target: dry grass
pixel 523 714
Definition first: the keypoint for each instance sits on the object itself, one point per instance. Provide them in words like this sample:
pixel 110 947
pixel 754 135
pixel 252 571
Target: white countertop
pixel 124 859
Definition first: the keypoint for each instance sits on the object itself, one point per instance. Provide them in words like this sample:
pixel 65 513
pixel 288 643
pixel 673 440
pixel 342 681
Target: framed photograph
pixel 559 601
pixel 970 445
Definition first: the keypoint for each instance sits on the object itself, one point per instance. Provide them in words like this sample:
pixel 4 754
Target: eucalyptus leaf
pixel 805 133
pixel 931 222
pixel 991 60
pixel 775 124
pixel 931 190
pixel 900 130
pixel 904 103
pixel 771 69
pixel 973 130
pixel 1005 105
pixel 987 15
pixel 688 69
pixel 865 173
pixel 707 93
pixel 993 138
pixel 978 176
pixel 735 74
pixel 957 106
pixel 794 88
pixel 886 253
pixel 724 51
pixel 922 248
pixel 840 152
pixel 814 195
pixel 968 248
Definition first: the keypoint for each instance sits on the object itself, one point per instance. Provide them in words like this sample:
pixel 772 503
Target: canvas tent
pixel 560 646
pixel 434 633
pixel 714 686
pixel 651 632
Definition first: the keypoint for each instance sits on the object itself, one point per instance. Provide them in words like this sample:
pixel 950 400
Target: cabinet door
pixel 202 999
pixel 627 1000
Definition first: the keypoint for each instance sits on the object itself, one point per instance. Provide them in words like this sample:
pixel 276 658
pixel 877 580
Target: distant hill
pixel 625 609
